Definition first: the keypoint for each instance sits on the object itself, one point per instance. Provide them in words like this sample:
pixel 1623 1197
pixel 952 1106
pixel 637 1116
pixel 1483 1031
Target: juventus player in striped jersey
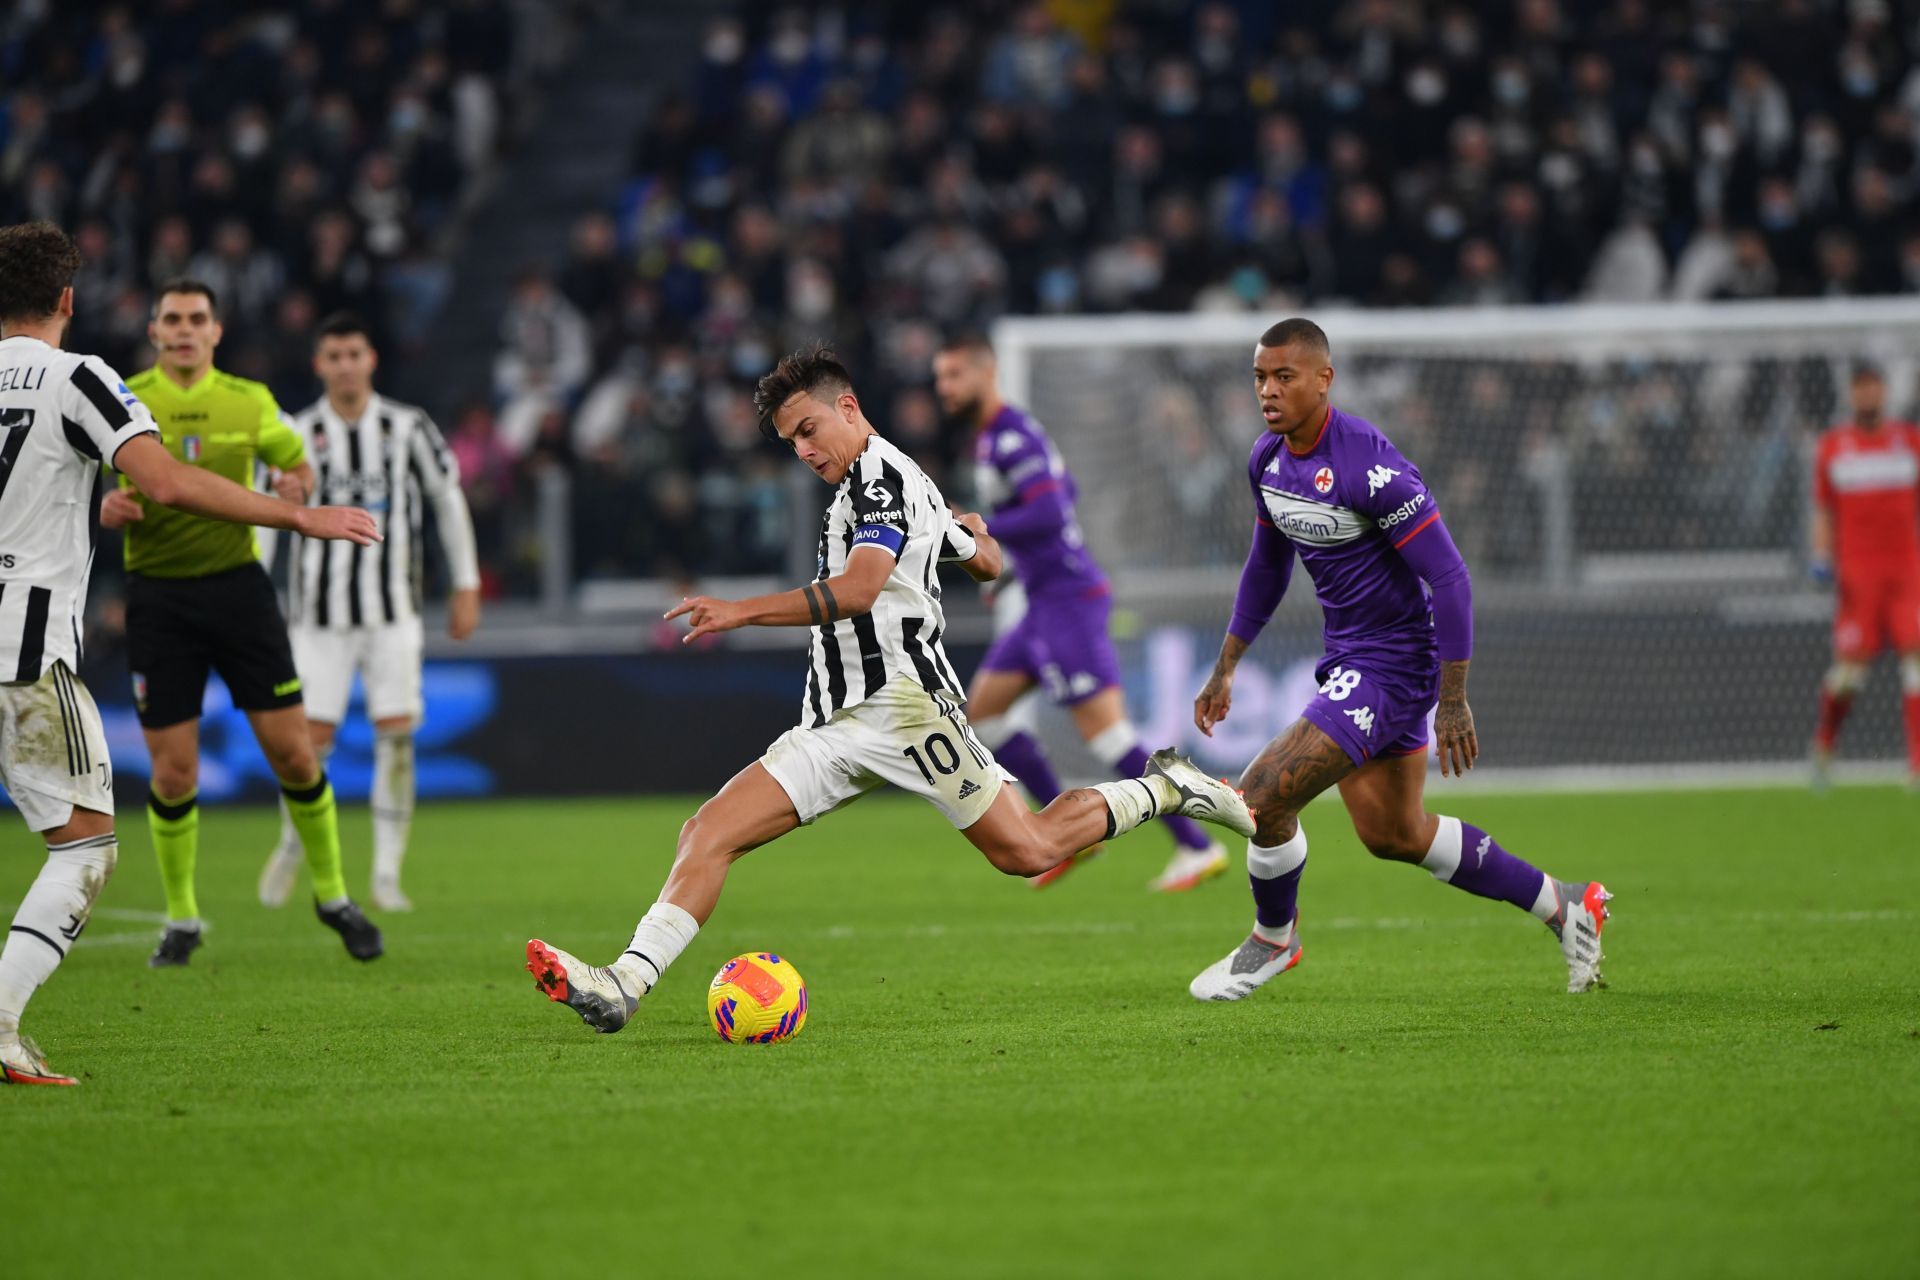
pixel 358 609
pixel 882 703
pixel 61 417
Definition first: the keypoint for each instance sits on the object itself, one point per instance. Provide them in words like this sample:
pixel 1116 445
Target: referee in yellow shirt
pixel 199 599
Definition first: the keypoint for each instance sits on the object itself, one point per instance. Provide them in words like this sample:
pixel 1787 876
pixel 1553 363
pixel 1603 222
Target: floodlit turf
pixel 995 1081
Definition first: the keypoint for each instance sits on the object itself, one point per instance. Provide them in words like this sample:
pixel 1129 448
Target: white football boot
pixel 1189 868
pixel 21 1062
pixel 1583 914
pixel 279 876
pixel 596 994
pixel 1252 964
pixel 1202 797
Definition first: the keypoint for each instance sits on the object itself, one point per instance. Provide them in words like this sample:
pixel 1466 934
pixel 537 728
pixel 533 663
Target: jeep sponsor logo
pixel 1403 512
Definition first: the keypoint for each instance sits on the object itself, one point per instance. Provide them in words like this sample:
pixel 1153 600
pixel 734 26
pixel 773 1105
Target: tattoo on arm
pixel 813 603
pixel 832 605
pixel 1231 651
pixel 1296 766
pixel 1453 680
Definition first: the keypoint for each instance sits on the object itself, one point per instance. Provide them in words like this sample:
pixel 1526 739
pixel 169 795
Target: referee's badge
pixel 139 691
pixel 190 448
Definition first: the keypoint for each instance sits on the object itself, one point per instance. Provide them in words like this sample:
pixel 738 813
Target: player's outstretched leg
pixel 751 810
pixel 1837 688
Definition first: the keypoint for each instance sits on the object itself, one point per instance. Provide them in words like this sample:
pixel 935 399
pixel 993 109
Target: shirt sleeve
pixel 279 440
pixel 102 413
pixel 879 494
pixel 1022 459
pixel 1822 481
pixel 1392 493
pixel 438 472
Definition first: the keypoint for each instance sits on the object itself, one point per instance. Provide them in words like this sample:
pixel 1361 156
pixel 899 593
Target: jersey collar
pixel 1318 437
pixel 193 388
pixel 371 411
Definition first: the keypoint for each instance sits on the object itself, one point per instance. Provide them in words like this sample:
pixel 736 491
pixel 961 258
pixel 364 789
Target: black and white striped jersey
pixel 886 501
pixel 388 461
pixel 61 416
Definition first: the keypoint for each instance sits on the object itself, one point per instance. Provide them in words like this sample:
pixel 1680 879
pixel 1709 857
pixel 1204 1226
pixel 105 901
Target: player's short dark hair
pixel 37 262
pixel 1867 370
pixel 971 341
pixel 187 284
pixel 812 370
pixel 1298 329
pixel 342 324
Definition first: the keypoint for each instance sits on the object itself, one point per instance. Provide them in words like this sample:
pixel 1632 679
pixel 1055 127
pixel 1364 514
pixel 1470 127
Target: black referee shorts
pixel 179 628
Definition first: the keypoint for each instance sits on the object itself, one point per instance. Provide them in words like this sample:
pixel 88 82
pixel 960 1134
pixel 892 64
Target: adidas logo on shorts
pixel 968 788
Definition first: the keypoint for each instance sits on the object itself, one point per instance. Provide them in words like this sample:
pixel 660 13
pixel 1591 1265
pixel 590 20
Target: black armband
pixel 833 606
pixel 813 605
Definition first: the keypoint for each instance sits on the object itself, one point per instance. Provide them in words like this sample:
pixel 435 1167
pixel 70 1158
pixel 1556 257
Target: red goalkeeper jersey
pixel 1870 482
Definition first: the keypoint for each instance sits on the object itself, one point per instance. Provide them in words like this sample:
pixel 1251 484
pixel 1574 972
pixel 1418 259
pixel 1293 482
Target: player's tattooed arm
pixel 1454 738
pixel 845 595
pixel 1295 767
pixel 1210 708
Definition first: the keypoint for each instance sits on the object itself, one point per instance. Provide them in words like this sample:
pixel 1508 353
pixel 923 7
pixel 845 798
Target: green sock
pixel 317 820
pixel 175 827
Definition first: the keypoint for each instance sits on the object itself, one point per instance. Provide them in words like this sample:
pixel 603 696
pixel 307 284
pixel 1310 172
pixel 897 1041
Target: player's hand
pixel 292 486
pixel 1210 708
pixel 337 524
pixel 1457 745
pixel 706 616
pixel 463 612
pixel 120 508
pixel 972 521
pixel 1820 569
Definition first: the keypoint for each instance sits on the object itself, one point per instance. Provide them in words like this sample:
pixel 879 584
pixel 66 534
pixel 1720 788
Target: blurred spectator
pixel 544 359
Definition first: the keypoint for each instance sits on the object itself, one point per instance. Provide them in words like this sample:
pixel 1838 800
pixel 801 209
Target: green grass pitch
pixel 999 1082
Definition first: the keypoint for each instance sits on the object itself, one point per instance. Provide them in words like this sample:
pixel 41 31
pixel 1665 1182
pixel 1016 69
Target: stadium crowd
pixel 876 174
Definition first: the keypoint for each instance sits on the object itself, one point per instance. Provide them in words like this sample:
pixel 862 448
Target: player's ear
pixel 64 307
pixel 849 405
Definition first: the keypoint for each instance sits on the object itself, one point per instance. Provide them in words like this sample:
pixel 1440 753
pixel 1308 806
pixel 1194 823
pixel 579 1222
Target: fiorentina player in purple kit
pixel 1399 631
pixel 1062 642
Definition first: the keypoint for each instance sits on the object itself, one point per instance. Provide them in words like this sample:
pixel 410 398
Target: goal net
pixel 1630 487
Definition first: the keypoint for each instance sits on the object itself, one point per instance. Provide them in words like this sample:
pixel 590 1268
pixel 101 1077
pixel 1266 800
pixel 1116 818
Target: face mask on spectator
pixel 789 47
pixel 1718 142
pixel 750 358
pixel 1511 87
pixel 1343 94
pixel 723 46
pixel 250 140
pixel 1426 86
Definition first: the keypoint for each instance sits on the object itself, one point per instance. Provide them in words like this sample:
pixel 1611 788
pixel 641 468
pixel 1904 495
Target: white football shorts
pixel 387 658
pixel 53 750
pixel 903 735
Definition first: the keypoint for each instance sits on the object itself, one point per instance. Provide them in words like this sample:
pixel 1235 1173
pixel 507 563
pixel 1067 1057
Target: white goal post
pixel 1629 484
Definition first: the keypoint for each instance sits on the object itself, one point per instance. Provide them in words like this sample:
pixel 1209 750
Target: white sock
pixel 50 918
pixel 1547 905
pixel 1443 855
pixel 662 935
pixel 1114 743
pixel 1132 801
pixel 1270 863
pixel 393 792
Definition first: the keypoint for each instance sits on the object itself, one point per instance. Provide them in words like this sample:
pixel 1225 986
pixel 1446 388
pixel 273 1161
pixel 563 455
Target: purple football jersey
pixel 1024 484
pixel 1346 505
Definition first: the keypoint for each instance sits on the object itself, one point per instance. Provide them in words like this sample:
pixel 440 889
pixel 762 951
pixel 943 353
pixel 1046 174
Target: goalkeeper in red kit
pixel 1866 540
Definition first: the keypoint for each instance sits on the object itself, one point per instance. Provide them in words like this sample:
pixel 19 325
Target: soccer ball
pixel 757 998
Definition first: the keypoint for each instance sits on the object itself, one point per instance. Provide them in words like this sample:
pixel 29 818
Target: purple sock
pixel 1021 754
pixel 1275 876
pixel 1186 832
pixel 1473 862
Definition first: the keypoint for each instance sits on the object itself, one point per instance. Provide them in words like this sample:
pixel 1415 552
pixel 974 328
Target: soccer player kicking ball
pixel 1866 539
pixel 358 611
pixel 1399 632
pixel 61 417
pixel 882 703
pixel 1062 640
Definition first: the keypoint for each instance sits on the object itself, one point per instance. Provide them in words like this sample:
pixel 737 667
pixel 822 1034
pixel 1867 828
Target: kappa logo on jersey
pixel 1008 442
pixel 1323 480
pixel 1378 478
pixel 1273 468
pixel 1363 718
